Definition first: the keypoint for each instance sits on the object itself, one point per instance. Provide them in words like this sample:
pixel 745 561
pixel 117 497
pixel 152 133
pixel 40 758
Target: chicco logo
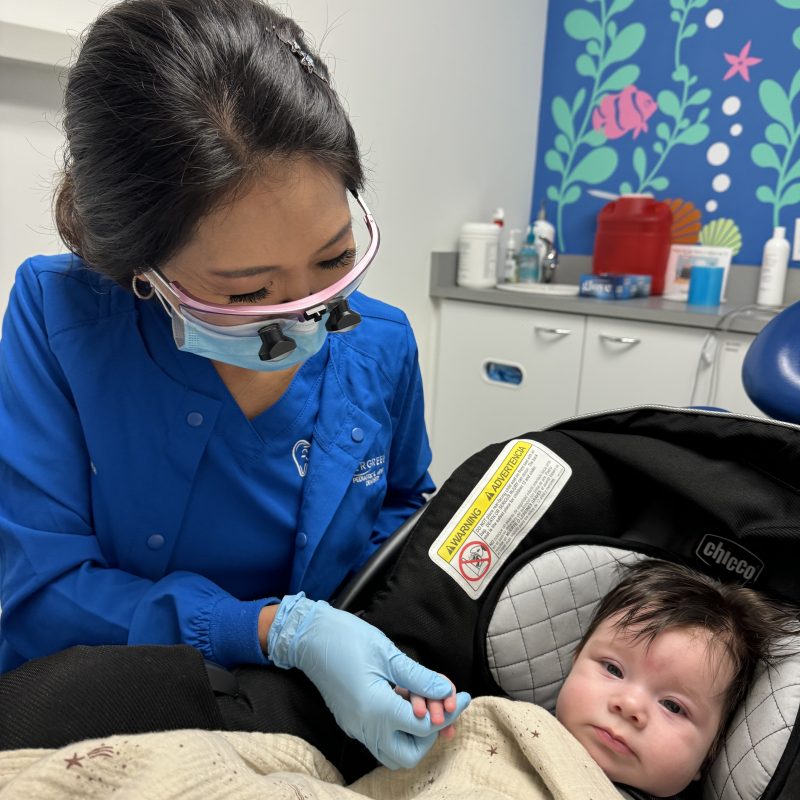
pixel 729 556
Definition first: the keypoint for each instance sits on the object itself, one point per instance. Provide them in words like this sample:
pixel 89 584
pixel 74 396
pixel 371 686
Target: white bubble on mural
pixel 736 129
pixel 714 18
pixel 721 182
pixel 731 105
pixel 718 154
pixel 712 206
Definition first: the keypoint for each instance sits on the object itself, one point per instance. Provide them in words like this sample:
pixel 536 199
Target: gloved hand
pixel 353 665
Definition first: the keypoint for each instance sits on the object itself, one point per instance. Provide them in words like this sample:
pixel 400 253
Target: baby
pixel 666 660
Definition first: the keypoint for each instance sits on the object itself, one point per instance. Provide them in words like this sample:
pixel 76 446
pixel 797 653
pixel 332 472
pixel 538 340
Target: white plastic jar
pixel 477 255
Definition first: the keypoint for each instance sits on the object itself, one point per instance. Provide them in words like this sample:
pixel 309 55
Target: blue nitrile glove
pixel 353 665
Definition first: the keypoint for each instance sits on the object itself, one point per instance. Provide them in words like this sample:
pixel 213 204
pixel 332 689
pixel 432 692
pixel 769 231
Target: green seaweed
pixel 682 130
pixel 781 134
pixel 579 153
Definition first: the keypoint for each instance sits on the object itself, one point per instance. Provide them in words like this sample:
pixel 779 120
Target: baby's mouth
pixel 612 741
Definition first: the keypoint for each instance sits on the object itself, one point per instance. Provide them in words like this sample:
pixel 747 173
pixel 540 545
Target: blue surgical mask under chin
pixel 239 345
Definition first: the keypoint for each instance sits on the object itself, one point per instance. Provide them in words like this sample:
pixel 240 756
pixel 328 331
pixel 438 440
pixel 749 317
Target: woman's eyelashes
pixel 250 297
pixel 344 259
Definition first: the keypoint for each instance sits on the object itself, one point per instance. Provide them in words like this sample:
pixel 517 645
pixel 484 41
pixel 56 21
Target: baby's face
pixel 647 714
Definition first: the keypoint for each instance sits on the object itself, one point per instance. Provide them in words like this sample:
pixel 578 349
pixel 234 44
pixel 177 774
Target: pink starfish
pixel 741 63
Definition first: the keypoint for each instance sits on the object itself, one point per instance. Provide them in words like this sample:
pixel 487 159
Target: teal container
pixel 528 267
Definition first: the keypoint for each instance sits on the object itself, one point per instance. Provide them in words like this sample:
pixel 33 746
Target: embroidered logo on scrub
pixel 370 471
pixel 300 456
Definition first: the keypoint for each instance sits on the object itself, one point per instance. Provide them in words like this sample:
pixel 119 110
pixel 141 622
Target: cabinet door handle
pixel 607 337
pixel 556 331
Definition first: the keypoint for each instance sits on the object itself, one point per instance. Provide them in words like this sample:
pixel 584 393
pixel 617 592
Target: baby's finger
pixel 447 733
pixel 436 710
pixel 418 703
pixel 449 702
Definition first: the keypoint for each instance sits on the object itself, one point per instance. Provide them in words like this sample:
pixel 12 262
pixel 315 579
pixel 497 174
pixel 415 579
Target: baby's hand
pixel 436 708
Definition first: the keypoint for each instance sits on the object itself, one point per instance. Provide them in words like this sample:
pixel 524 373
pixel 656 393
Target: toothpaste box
pixel 612 286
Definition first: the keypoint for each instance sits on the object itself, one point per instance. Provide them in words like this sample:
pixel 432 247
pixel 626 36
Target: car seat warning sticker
pixel 506 503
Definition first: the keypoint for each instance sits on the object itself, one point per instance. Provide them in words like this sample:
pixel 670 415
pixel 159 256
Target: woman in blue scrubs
pixel 205 427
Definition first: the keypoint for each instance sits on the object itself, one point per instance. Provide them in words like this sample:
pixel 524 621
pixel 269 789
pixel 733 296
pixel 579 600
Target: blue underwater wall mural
pixel 693 101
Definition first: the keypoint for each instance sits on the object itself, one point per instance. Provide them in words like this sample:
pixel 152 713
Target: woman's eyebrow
pixel 345 229
pixel 247 272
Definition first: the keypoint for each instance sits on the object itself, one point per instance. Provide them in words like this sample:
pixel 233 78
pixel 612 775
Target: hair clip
pixel 306 61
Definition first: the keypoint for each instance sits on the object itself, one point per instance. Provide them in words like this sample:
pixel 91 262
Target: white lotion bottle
pixel 774 266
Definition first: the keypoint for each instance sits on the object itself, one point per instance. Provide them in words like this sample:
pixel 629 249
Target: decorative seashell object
pixel 685 221
pixel 722 232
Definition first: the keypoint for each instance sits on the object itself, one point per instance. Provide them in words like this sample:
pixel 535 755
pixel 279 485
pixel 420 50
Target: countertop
pixel 739 318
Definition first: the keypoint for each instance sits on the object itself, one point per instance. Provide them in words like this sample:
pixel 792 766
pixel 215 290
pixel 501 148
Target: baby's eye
pixel 612 669
pixel 672 706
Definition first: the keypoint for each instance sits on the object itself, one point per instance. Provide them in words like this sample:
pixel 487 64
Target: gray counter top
pixel 740 317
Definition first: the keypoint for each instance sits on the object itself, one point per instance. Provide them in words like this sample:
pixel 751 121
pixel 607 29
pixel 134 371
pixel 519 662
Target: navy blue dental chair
pixel 771 368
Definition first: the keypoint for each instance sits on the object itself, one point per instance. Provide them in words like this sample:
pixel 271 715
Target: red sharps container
pixel 634 235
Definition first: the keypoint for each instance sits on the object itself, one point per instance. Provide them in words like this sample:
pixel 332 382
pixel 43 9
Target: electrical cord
pixel 710 351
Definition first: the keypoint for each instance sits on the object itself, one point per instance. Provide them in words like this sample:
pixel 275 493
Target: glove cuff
pixel 292 611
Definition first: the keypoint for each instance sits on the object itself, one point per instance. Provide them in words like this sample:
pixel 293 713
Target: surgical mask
pixel 240 345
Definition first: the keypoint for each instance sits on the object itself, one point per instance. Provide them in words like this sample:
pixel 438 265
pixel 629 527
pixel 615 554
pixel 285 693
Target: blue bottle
pixel 528 259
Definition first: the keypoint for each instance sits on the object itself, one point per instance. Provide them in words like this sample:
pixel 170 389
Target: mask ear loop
pixel 138 292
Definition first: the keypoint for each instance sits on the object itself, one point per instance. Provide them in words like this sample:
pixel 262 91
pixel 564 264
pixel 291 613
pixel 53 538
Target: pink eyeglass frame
pixel 305 309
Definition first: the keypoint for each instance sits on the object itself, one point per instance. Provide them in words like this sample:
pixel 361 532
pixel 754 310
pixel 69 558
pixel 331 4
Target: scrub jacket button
pixel 155 542
pixel 194 418
pixel 301 540
pixel 357 434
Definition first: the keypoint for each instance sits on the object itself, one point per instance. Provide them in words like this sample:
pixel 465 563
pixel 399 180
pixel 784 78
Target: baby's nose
pixel 630 705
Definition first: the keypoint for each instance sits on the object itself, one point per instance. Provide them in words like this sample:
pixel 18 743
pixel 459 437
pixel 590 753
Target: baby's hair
pixel 655 596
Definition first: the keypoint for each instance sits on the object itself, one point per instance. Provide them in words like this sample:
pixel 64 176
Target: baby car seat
pixel 495 580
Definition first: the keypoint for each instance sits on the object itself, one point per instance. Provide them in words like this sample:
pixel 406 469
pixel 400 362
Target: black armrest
pixel 356 591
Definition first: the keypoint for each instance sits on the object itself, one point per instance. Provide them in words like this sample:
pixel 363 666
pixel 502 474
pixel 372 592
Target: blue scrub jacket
pixel 99 448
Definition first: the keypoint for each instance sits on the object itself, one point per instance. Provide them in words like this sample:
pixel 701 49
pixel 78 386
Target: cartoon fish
pixel 626 111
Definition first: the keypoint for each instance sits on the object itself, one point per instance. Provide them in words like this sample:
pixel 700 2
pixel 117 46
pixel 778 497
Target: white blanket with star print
pixel 503 750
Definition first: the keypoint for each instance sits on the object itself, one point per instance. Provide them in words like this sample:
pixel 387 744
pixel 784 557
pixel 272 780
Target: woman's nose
pixel 296 286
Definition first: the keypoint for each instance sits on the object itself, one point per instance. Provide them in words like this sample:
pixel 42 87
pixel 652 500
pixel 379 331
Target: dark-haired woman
pixel 198 440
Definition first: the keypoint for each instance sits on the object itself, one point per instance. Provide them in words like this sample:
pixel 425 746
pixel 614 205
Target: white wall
pixel 444 95
pixel 29 145
pixel 54 15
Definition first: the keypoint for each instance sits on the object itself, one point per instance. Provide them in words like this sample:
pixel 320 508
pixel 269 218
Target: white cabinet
pixel 500 371
pixel 721 385
pixel 636 363
pixel 504 371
